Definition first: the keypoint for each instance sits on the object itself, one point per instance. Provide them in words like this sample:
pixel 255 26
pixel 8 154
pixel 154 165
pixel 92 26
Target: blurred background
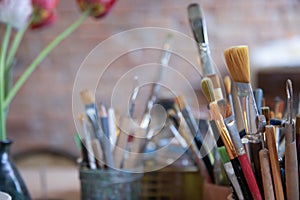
pixel 41 114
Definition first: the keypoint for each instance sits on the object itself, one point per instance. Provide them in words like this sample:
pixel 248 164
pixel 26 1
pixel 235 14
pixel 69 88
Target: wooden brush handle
pixel 291 171
pixel 271 144
pixel 266 174
pixel 249 175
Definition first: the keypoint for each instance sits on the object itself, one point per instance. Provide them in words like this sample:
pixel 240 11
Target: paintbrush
pixel 156 87
pixel 237 60
pixel 88 142
pixel 238 64
pixel 92 113
pixel 291 164
pixel 230 172
pixel 134 95
pixel 258 96
pixel 106 131
pixel 198 26
pixel 189 139
pixel 227 84
pixel 112 127
pixel 216 115
pixel 270 139
pixel 126 129
pixel 193 126
pixel 237 143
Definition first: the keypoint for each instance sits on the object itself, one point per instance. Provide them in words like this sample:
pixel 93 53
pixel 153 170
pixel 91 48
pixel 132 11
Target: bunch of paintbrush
pixel 264 176
pixel 106 141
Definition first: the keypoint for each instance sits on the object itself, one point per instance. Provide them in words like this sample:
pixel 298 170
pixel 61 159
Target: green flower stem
pixel 2 87
pixel 14 47
pixel 41 56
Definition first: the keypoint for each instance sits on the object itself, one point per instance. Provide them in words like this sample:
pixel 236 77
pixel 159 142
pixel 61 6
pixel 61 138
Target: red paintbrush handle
pixel 250 178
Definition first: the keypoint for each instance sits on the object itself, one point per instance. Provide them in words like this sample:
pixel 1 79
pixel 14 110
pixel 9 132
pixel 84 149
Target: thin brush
pixel 92 113
pixel 189 138
pixel 216 115
pixel 265 110
pixel 87 142
pixel 227 84
pixel 192 124
pixel 258 96
pixel 112 127
pixel 243 158
pixel 156 88
pixel 125 130
pixel 230 172
pixel 270 138
pixel 198 26
pixel 291 164
pixel 134 95
pixel 279 107
pixel 105 128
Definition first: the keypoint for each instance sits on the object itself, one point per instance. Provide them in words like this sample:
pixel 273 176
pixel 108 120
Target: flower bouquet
pixel 18 16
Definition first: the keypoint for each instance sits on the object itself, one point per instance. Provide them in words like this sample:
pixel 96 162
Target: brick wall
pixel 41 113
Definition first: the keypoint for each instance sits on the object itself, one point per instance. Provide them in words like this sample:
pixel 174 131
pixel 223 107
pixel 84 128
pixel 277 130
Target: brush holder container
pixel 110 185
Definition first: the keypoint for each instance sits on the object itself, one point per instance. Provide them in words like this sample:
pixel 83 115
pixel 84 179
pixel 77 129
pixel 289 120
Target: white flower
pixel 15 12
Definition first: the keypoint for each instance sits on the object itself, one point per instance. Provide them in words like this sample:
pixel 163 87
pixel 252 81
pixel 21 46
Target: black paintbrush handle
pixel 241 178
pixel 206 160
pixel 254 151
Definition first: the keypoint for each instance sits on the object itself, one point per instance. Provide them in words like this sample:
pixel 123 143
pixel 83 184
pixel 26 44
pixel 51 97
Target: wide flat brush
pixel 238 64
pixel 198 26
pixel 291 164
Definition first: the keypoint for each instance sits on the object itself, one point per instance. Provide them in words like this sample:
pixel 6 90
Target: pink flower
pixel 99 8
pixel 15 12
pixel 43 12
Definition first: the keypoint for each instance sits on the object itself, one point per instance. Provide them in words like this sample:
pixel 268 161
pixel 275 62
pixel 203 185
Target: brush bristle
pixel 87 97
pixel 215 112
pixel 265 110
pixel 208 89
pixel 238 64
pixel 80 118
pixel 181 102
pixel 227 84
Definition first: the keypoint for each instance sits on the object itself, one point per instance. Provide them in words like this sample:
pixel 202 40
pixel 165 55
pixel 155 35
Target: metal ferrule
pixel 234 134
pixel 248 107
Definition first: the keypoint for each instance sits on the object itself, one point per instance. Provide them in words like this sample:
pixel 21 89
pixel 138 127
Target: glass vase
pixel 11 181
